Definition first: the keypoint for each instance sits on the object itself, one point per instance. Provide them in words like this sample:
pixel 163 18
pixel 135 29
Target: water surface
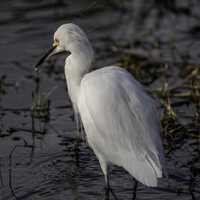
pixel 37 157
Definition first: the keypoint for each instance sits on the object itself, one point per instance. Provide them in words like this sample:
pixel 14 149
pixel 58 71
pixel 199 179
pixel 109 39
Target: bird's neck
pixel 76 66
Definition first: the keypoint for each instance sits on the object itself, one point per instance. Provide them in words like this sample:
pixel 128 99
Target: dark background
pixel 37 158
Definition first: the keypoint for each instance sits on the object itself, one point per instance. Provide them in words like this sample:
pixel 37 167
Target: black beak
pixel 42 59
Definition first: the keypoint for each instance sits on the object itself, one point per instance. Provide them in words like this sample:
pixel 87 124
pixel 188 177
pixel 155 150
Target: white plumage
pixel 121 123
pixel 119 117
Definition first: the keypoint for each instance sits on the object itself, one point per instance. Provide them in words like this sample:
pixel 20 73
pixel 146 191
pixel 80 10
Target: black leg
pixel 107 194
pixel 109 189
pixel 76 149
pixel 135 189
pixel 78 140
pixel 114 195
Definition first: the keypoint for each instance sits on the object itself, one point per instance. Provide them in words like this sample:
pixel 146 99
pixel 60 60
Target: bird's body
pixel 119 117
pixel 121 123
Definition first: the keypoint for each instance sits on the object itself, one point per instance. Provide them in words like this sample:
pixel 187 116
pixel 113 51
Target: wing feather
pixel 121 123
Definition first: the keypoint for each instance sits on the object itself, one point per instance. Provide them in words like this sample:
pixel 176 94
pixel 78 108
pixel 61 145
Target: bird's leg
pixel 83 135
pixel 108 188
pixel 77 143
pixel 135 189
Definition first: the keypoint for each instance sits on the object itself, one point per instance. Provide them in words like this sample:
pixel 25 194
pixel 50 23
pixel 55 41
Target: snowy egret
pixel 120 119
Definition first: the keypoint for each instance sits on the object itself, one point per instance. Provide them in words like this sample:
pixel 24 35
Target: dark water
pixel 37 157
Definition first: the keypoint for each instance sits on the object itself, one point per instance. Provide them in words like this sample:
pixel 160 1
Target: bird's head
pixel 67 35
pixel 67 38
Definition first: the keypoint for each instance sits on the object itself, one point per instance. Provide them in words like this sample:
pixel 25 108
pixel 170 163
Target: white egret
pixel 120 119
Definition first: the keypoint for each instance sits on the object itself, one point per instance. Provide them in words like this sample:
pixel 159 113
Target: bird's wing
pixel 121 123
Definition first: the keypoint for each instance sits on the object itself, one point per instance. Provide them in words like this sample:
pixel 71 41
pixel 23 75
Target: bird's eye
pixel 56 42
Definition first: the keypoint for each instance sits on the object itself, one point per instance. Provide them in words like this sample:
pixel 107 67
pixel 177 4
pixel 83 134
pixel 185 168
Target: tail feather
pixel 144 170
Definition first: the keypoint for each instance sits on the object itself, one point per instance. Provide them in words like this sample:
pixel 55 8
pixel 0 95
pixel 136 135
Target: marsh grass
pixel 185 91
pixel 40 107
pixel 177 88
pixel 179 97
pixel 175 92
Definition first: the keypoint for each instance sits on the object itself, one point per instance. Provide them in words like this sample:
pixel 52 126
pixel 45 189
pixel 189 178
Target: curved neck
pixel 76 66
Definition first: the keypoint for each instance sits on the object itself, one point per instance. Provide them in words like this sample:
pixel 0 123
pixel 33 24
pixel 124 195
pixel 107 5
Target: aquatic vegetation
pixel 160 48
pixel 40 107
pixel 177 93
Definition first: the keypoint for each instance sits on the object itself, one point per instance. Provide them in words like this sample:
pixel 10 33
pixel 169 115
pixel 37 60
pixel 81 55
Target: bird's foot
pixel 76 150
pixel 107 193
pixel 109 190
pixel 135 189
